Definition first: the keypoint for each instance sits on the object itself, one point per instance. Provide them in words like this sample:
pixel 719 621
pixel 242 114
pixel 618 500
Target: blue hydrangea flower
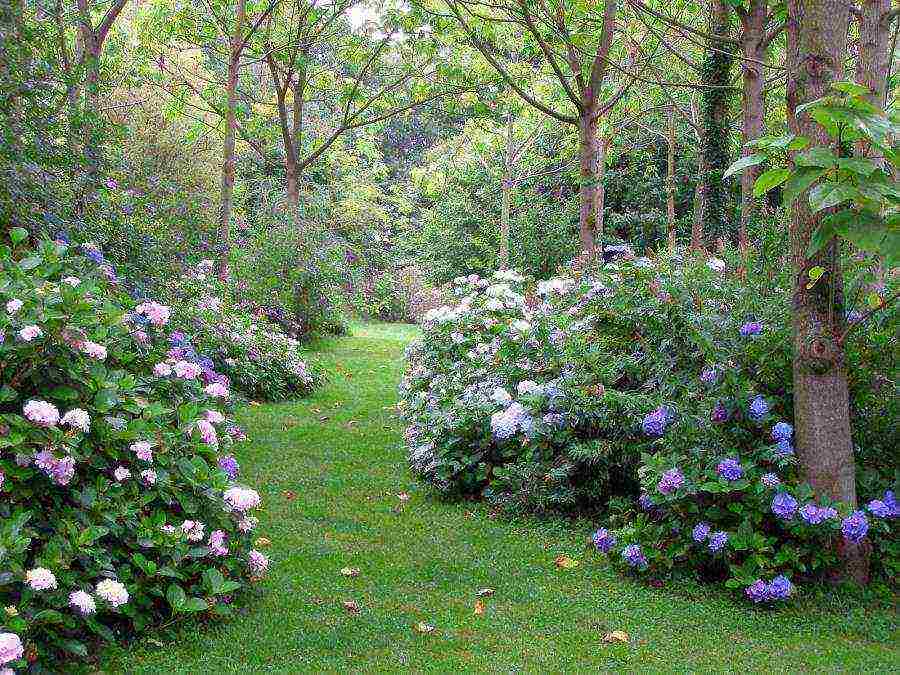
pixel 633 555
pixel 855 527
pixel 670 481
pixel 784 449
pixel 646 502
pixel 780 588
pixel 604 540
pixel 730 469
pixel 709 375
pixel 815 515
pixel 770 480
pixel 717 541
pixel 759 408
pixel 655 422
pixel 751 328
pixel 719 413
pixel 891 502
pixel 757 591
pixel 701 532
pixel 782 432
pixel 784 506
pixel 229 465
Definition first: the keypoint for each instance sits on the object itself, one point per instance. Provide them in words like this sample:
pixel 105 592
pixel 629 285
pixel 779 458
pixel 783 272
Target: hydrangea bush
pixel 259 358
pixel 120 503
pixel 659 390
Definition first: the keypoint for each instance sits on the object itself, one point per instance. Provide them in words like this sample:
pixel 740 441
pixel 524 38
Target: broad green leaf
pixel 176 597
pixel 817 156
pixel 17 235
pixel 743 163
pixel 770 179
pixel 851 88
pixel 858 165
pixel 830 194
pixel 819 239
pixel 800 181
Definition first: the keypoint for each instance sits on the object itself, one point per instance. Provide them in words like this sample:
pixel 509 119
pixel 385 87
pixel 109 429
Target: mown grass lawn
pixel 330 472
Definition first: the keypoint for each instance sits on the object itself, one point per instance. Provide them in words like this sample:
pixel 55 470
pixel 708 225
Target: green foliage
pixel 109 471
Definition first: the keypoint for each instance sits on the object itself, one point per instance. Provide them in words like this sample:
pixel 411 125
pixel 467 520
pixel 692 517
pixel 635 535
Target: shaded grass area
pixel 330 472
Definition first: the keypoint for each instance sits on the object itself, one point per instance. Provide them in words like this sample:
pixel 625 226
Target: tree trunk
pixel 873 58
pixel 670 177
pixel 603 143
pixel 753 114
pixel 234 60
pixel 90 50
pixel 506 187
pixel 821 398
pixel 697 237
pixel 587 152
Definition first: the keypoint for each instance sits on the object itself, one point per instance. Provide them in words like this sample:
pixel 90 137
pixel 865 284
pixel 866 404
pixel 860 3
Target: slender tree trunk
pixel 90 52
pixel 587 151
pixel 506 189
pixel 603 143
pixel 670 176
pixel 753 113
pixel 697 238
pixel 821 398
pixel 234 62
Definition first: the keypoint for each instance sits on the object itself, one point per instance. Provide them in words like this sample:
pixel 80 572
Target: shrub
pixel 636 382
pixel 261 361
pixel 118 506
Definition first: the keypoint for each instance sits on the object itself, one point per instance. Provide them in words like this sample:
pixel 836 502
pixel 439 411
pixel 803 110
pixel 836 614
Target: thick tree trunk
pixel 670 177
pixel 587 154
pixel 872 61
pixel 234 62
pixel 753 113
pixel 603 143
pixel 821 398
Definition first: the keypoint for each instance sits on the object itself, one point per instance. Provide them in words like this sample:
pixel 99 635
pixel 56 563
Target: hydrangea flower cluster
pixel 655 422
pixel 780 588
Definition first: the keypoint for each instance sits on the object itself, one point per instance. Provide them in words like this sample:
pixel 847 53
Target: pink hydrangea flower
pixel 63 471
pixel 40 579
pixel 83 602
pixel 113 592
pixel 148 476
pixel 217 547
pixel 14 305
pixel 29 333
pixel 217 390
pixel 214 416
pixel 121 474
pixel 247 523
pixel 158 314
pixel 187 370
pixel 94 350
pixel 71 281
pixel 77 418
pixel 193 529
pixel 2 479
pixel 162 369
pixel 258 563
pixel 207 432
pixel 241 499
pixel 42 413
pixel 11 648
pixel 143 450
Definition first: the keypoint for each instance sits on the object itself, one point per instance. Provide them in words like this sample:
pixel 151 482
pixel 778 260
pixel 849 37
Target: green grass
pixel 424 560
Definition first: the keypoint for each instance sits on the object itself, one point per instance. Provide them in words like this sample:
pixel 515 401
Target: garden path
pixel 334 485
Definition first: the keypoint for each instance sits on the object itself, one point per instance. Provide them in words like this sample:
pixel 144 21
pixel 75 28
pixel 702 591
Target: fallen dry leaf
pixel 479 607
pixel 263 541
pixel 423 627
pixel 616 636
pixel 350 571
pixel 351 606
pixel 254 403
pixel 564 562
pixel 290 495
pixel 485 592
pixel 403 497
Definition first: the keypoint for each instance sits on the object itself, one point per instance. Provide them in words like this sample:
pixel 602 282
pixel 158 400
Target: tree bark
pixel 697 238
pixel 821 397
pixel 753 47
pixel 603 143
pixel 234 62
pixel 587 153
pixel 506 183
pixel 873 59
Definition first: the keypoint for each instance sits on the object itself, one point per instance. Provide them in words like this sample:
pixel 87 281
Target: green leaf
pixel 770 179
pixel 17 235
pixel 30 263
pixel 858 165
pixel 818 156
pixel 799 182
pixel 743 163
pixel 195 605
pixel 176 597
pixel 830 194
pixel 819 238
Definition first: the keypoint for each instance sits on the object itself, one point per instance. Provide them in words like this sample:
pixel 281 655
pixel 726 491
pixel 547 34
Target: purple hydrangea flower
pixel 770 480
pixel 815 515
pixel 759 408
pixel 655 422
pixel 229 465
pixel 717 541
pixel 891 502
pixel 730 469
pixel 633 555
pixel 604 540
pixel 780 588
pixel 855 527
pixel 670 481
pixel 719 413
pixel 784 449
pixel 784 506
pixel 646 502
pixel 757 591
pixel 709 375
pixel 701 532
pixel 751 328
pixel 782 432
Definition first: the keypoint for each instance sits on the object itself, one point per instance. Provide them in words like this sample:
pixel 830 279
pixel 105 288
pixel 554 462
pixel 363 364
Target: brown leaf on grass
pixel 424 628
pixel 350 571
pixel 316 410
pixel 479 607
pixel 290 495
pixel 616 636
pixel 484 592
pixel 564 562
pixel 254 403
pixel 263 541
pixel 351 606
